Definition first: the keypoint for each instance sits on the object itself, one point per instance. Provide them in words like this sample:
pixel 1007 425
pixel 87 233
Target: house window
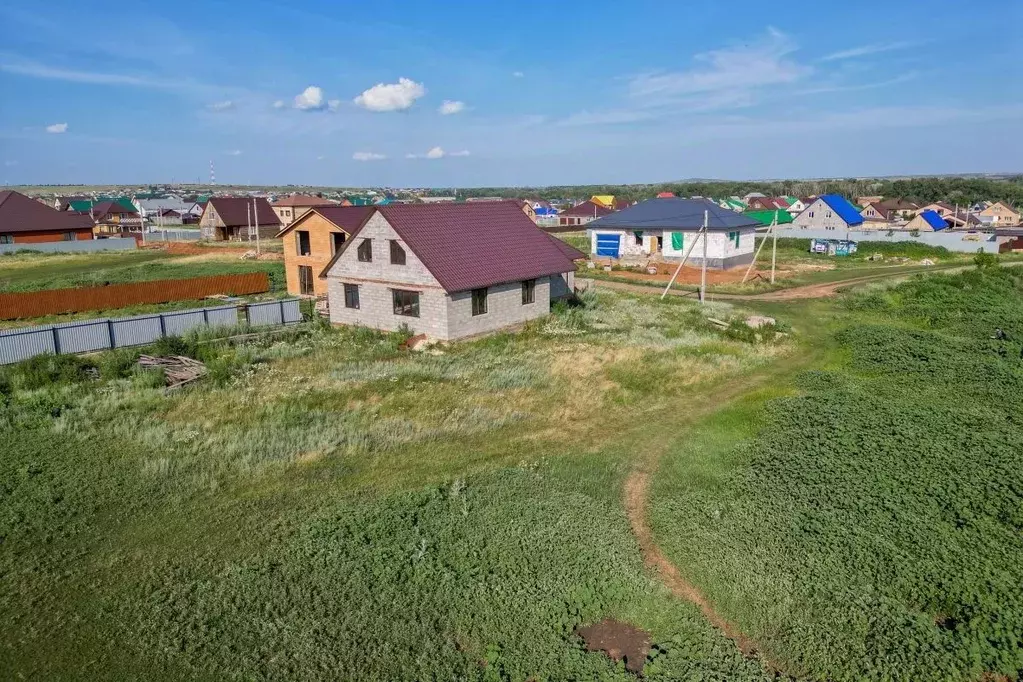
pixel 639 238
pixel 811 214
pixel 479 301
pixel 397 253
pixel 366 251
pixel 406 302
pixel 302 237
pixel 70 236
pixel 337 240
pixel 305 279
pixel 528 291
pixel 352 296
pixel 6 238
pixel 734 238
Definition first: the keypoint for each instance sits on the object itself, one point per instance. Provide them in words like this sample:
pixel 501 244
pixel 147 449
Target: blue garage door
pixel 607 245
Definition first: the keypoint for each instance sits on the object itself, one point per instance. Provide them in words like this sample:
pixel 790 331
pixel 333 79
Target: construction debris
pixel 177 369
pixel 758 321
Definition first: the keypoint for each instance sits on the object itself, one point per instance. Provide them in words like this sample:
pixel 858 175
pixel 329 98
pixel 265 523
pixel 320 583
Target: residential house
pixel 449 271
pixel 797 205
pixel 64 203
pixel 155 211
pixel 312 240
pixel 665 228
pixel 767 204
pixel 876 216
pixel 229 219
pixel 582 214
pixel 115 217
pixel 605 200
pixel 1001 214
pixel 963 220
pixel 873 199
pixel 665 195
pixel 829 212
pixel 26 221
pixel 900 208
pixel 942 208
pixel 290 209
pixel 927 221
pixel 770 217
pixel 733 204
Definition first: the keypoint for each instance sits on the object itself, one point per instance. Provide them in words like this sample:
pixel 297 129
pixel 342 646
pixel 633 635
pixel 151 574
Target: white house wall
pixel 819 216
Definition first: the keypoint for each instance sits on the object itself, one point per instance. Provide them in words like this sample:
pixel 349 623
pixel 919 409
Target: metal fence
pixel 83 246
pixel 953 240
pixel 182 235
pixel 103 334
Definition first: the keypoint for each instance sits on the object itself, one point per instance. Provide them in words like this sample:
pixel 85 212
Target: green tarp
pixel 676 240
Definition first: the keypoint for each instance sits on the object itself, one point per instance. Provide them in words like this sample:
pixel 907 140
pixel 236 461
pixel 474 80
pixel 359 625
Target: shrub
pixel 47 371
pixel 985 260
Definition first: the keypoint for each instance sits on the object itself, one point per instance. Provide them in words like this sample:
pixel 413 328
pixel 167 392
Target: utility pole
pixel 248 220
pixel 255 213
pixel 774 246
pixel 685 257
pixel 703 274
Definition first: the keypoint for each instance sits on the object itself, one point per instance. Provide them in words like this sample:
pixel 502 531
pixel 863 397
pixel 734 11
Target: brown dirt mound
pixel 619 641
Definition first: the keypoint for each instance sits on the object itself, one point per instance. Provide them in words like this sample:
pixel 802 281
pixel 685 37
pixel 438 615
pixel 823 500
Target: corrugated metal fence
pixel 103 334
pixel 55 301
pixel 84 246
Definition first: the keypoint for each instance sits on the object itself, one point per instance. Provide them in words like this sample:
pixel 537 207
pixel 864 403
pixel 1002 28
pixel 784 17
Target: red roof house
pixel 229 218
pixel 449 271
pixel 26 221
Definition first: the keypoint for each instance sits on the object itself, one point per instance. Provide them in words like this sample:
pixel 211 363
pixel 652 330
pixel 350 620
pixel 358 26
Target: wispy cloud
pixel 37 70
pixel 57 128
pixel 391 96
pixel 226 105
pixel 234 152
pixel 756 65
pixel 279 104
pixel 518 74
pixel 897 80
pixel 368 156
pixel 434 153
pixel 449 107
pixel 866 50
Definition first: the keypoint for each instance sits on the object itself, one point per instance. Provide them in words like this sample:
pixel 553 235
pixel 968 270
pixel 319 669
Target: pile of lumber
pixel 178 369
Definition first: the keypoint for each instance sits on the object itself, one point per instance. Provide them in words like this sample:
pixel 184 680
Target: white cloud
pixel 451 107
pixel 368 156
pixel 279 104
pixel 235 152
pixel 747 67
pixel 866 50
pixel 862 86
pixel 518 74
pixel 57 128
pixel 334 104
pixel 221 106
pixel 437 153
pixel 320 158
pixel 391 96
pixel 311 99
pixel 35 70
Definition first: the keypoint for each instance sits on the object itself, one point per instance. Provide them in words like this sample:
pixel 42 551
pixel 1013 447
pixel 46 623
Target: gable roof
pixel 934 220
pixel 606 200
pixel 899 205
pixel 104 208
pixel 841 206
pixel 347 218
pixel 878 208
pixel 474 245
pixel 587 209
pixel 302 201
pixel 665 195
pixel 675 214
pixel 19 213
pixel 235 213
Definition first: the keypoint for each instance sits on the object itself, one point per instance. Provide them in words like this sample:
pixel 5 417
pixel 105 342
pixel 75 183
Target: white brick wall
pixel 504 309
pixel 823 218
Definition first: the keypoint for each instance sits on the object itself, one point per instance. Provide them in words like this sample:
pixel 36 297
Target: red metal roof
pixel 234 212
pixel 19 213
pixel 302 200
pixel 479 244
pixel 586 209
pixel 104 208
pixel 348 218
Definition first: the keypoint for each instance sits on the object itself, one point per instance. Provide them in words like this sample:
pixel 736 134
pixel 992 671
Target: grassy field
pixel 36 271
pixel 327 506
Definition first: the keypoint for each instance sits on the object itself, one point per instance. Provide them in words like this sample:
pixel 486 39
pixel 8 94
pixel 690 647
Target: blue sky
pixel 437 94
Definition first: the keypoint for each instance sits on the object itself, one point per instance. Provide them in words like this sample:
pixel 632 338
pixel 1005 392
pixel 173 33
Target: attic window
pixel 397 253
pixel 366 251
pixel 302 238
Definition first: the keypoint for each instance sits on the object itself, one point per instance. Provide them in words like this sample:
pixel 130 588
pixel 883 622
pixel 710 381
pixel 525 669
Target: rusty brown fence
pixel 55 301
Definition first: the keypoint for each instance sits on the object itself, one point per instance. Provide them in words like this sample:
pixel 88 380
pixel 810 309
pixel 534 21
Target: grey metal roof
pixel 674 214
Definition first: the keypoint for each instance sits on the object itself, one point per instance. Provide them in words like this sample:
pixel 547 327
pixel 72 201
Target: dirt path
pixel 806 291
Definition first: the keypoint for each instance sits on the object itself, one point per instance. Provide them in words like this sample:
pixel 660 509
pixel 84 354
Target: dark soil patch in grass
pixel 620 641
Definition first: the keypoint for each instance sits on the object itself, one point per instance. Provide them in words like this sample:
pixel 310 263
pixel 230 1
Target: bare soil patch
pixel 620 641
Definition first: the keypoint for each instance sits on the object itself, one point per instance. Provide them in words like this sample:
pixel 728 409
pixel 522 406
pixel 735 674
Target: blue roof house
pixel 666 228
pixel 927 221
pixel 829 212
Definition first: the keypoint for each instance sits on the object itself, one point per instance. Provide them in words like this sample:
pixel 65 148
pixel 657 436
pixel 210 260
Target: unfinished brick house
pixel 449 271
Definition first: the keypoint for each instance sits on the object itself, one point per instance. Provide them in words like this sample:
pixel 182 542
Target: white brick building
pixel 449 271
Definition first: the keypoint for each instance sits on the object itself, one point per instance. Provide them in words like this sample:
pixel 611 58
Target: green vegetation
pixel 35 272
pixel 325 506
pixel 868 525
